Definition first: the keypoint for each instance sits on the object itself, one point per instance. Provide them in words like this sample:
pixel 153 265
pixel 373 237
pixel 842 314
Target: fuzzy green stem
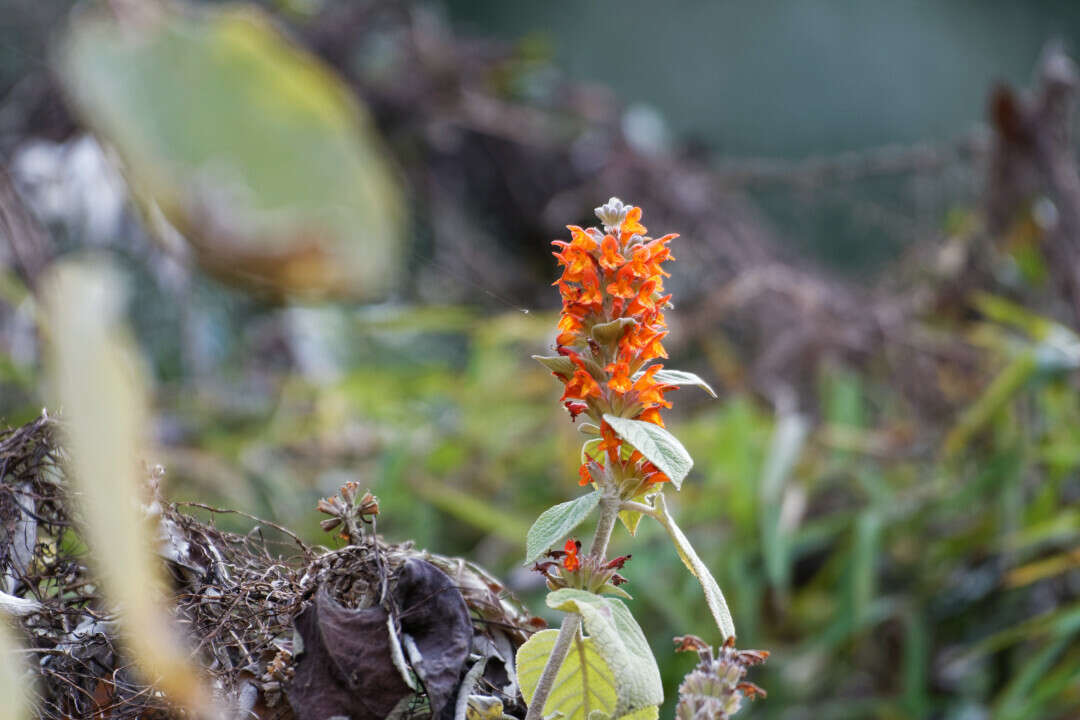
pixel 609 512
pixel 568 631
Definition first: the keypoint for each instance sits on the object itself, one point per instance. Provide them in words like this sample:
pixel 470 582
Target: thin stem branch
pixel 638 507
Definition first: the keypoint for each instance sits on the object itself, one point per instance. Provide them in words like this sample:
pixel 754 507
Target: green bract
pixel 559 364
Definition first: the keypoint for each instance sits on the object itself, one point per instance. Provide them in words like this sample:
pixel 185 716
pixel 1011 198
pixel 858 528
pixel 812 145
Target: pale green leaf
pixel 556 522
pixel 714 598
pixel 622 644
pixel 679 377
pixel 659 447
pixel 248 144
pixel 583 685
pixel 652 712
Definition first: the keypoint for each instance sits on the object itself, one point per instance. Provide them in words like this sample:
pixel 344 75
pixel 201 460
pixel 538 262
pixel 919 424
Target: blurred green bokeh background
pixel 892 573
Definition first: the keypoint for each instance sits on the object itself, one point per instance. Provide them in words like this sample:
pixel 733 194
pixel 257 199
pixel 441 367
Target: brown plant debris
pixel 283 629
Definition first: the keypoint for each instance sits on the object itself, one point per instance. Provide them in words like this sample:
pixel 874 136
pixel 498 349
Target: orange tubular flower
pixel 571 561
pixel 612 326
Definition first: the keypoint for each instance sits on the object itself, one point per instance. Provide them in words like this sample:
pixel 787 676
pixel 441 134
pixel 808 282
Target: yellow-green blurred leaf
pixel 99 382
pixel 257 152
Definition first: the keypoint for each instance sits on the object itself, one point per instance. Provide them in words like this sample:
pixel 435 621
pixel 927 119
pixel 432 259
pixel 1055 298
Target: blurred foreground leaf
pixel 12 681
pixel 100 385
pixel 248 145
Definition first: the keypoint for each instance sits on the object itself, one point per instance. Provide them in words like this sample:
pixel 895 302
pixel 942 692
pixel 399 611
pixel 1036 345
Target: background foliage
pixel 892 509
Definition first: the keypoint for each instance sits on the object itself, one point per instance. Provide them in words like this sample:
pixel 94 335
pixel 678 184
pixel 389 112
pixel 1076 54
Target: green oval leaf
pixel 659 447
pixel 583 685
pixel 556 522
pixel 714 598
pixel 679 377
pixel 249 145
pixel 621 642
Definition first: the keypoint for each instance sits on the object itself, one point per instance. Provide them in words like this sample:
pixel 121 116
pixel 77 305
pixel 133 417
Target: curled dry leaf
pixel 346 667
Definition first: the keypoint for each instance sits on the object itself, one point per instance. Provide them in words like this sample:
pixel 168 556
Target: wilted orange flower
pixel 611 327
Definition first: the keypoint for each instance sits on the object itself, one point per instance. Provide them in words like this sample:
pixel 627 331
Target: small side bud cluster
pixel 350 509
pixel 714 690
pixel 567 568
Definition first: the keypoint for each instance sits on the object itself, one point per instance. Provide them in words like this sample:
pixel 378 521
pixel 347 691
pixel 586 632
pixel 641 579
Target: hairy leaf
pixel 622 643
pixel 714 598
pixel 555 523
pixel 583 685
pixel 679 377
pixel 657 445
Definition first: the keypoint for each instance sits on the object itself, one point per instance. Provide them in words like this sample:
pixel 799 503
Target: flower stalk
pixel 609 347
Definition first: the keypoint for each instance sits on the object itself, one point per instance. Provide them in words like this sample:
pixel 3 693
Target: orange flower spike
pixel 654 349
pixel 647 381
pixel 654 395
pixel 631 225
pixel 584 476
pixel 652 474
pixel 581 387
pixel 610 259
pixel 620 380
pixel 659 252
pixel 567 338
pixel 651 415
pixel 590 284
pixel 610 443
pixel 644 299
pixel 568 322
pixel 623 287
pixel 640 263
pixel 582 240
